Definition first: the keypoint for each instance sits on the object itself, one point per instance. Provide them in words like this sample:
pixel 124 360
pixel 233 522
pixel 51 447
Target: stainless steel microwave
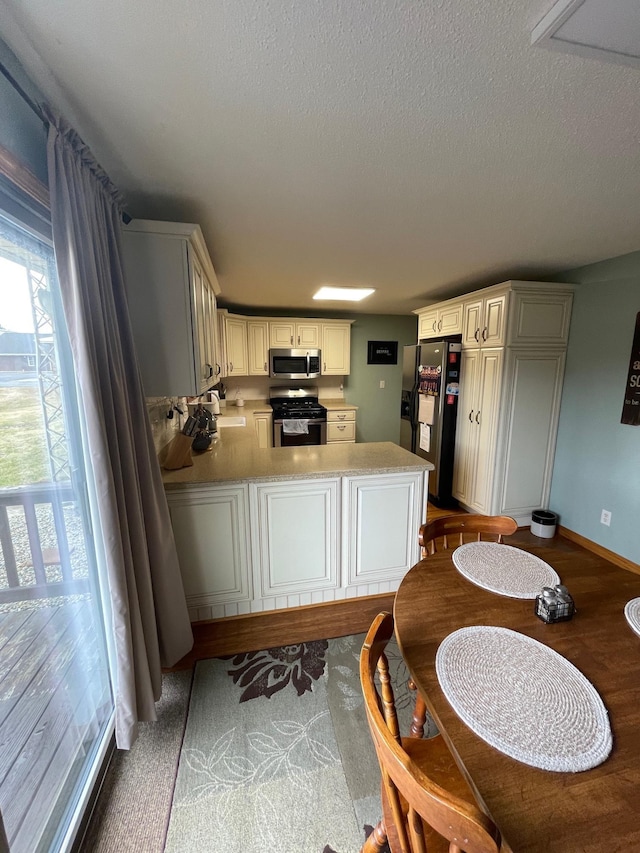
pixel 294 363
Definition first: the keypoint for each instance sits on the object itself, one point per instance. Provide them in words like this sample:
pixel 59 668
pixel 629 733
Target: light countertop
pixel 236 458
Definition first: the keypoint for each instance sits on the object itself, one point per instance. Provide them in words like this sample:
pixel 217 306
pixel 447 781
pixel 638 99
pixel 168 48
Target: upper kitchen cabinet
pixel 484 320
pixel 171 291
pixel 299 334
pixel 438 321
pixel 235 350
pixel 258 347
pixel 336 348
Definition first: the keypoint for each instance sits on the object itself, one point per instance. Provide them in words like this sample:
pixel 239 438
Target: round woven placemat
pixel 524 699
pixel 632 613
pixel 504 569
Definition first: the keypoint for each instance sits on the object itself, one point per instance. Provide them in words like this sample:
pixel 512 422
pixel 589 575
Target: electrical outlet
pixel 382 383
pixel 605 517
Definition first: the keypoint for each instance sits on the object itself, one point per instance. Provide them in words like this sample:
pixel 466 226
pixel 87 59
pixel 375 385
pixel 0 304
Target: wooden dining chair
pixel 427 805
pixel 451 530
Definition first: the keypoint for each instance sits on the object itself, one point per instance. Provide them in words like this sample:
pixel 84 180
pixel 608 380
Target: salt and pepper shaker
pixel 554 604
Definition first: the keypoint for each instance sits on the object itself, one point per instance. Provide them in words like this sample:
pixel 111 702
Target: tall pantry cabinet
pixel 514 339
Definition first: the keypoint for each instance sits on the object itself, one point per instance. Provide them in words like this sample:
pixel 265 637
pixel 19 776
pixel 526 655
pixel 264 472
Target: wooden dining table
pixel 591 811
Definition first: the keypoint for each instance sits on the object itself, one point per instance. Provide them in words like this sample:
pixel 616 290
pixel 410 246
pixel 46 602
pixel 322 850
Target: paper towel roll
pixel 215 403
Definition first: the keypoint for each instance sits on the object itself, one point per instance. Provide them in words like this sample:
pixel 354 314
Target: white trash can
pixel 543 523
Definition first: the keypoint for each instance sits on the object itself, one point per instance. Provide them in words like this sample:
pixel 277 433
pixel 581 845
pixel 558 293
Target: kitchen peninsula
pixel 267 528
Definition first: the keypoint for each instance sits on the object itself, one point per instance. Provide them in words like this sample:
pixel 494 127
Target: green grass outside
pixel 24 457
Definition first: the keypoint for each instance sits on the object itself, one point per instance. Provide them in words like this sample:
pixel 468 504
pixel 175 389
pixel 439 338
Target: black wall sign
pixel 631 407
pixel 382 352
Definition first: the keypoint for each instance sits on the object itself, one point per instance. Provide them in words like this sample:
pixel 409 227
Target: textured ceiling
pixel 421 148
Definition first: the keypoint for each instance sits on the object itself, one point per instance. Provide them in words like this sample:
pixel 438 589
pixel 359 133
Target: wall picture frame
pixel 382 352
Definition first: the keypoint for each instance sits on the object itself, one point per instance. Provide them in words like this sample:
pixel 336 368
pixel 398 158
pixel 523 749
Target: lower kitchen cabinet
pixel 377 513
pixel 341 425
pixel 295 536
pixel 211 529
pixel 264 429
pixel 270 545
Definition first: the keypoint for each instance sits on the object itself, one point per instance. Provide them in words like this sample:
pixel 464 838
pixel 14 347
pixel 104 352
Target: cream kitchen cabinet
pixel 258 347
pixel 295 536
pixel 263 424
pixel 484 320
pixel 336 349
pixel 211 530
pixel 235 359
pixel 510 396
pixel 341 425
pixel 299 334
pixel 171 291
pixel 446 319
pixel 377 511
pixel 476 431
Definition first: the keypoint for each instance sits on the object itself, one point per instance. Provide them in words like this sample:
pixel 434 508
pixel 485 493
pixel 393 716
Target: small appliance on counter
pixel 298 417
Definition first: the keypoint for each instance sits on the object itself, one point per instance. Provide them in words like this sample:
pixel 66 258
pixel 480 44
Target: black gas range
pixel 298 417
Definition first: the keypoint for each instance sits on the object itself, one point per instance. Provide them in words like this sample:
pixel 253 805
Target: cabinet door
pixel 450 320
pixel 380 517
pixel 295 535
pixel 472 322
pixel 264 429
pixel 282 334
pixel 427 324
pixel 494 321
pixel 211 529
pixel 200 292
pixel 308 335
pixel 466 428
pixel 258 346
pixel 336 349
pixel 486 421
pixel 533 378
pixel 236 333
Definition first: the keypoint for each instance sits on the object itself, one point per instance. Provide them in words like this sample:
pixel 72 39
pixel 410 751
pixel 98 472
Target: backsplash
pixel 162 427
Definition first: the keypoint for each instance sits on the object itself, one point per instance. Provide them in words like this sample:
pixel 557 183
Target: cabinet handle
pixel 476 335
pixel 484 333
pixel 210 370
pixel 433 326
pixel 471 416
pixel 265 367
pixel 230 367
pixel 298 340
pixel 291 340
pixel 439 325
pixel 342 426
pixel 219 369
pixel 477 416
pixel 325 367
pixel 341 417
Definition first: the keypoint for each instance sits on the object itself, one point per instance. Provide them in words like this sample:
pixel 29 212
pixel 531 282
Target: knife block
pixel 177 454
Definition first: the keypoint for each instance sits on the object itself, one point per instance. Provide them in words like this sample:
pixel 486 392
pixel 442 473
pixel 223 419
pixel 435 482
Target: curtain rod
pixel 25 97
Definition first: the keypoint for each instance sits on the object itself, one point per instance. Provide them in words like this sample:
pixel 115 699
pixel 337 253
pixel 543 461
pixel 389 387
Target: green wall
pixel 597 463
pixel 379 408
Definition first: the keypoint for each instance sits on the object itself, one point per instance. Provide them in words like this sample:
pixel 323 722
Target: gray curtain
pixel 150 623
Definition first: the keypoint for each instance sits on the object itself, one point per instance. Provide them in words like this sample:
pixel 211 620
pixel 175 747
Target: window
pixel 56 704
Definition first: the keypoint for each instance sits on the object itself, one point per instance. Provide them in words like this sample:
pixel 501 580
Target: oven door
pixel 317 434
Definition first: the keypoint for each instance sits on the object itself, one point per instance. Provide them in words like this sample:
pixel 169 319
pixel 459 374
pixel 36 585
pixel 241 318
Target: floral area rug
pixel 277 756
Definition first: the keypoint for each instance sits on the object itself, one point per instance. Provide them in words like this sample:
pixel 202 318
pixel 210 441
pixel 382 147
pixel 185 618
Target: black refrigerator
pixel 429 410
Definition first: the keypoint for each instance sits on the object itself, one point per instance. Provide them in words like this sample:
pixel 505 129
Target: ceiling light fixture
pixel 345 294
